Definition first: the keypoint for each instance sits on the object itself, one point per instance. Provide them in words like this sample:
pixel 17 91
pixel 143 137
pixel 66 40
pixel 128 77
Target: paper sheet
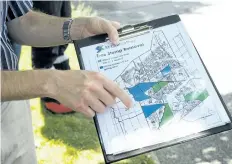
pixel 161 71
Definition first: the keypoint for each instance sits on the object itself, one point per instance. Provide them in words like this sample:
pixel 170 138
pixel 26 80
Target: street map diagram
pixel 162 85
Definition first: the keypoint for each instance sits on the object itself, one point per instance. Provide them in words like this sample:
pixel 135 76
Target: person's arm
pixel 83 91
pixel 42 30
pixel 21 85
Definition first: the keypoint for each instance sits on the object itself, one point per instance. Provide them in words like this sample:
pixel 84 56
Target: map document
pixel 172 94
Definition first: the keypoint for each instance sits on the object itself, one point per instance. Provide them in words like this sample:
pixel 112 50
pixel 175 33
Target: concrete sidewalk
pixel 209 24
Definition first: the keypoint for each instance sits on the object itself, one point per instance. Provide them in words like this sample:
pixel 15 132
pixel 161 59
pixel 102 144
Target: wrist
pixel 77 28
pixel 47 83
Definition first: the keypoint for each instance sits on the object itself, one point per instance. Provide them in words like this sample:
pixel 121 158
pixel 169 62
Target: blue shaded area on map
pixel 149 109
pixel 166 70
pixel 138 91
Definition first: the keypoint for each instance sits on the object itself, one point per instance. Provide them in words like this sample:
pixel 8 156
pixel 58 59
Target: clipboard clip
pixel 130 31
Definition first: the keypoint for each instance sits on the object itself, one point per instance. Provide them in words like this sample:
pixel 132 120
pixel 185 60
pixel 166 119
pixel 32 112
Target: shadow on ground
pixel 132 12
pixel 213 149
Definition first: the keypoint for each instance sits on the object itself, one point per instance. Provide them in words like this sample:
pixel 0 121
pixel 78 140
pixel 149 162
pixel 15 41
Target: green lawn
pixel 66 139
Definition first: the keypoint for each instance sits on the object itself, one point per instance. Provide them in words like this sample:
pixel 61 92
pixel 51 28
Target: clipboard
pixel 130 31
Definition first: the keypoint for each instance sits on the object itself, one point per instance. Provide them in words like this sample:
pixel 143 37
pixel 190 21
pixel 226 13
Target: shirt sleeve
pixel 18 8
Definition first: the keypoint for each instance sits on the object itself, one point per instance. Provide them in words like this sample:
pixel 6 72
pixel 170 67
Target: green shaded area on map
pixel 159 85
pixel 167 115
pixel 201 96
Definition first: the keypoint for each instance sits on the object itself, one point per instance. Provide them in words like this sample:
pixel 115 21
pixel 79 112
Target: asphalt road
pixel 202 19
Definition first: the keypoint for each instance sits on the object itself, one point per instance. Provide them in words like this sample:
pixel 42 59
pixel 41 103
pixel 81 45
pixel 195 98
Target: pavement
pixel 209 24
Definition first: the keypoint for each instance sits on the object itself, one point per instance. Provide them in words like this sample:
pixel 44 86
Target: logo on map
pixel 99 48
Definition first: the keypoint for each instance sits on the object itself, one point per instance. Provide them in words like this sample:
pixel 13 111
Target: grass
pixel 71 138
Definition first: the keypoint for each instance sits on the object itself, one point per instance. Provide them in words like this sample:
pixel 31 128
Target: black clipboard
pixel 133 31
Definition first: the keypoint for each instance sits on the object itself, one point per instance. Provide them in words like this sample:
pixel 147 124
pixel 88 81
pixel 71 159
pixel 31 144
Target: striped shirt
pixel 10 10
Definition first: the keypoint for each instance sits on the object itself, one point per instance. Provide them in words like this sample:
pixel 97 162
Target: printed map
pixel 164 89
pixel 172 94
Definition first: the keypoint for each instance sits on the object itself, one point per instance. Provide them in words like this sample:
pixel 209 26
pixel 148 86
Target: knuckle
pixel 99 76
pixel 90 86
pixel 85 96
pixel 80 105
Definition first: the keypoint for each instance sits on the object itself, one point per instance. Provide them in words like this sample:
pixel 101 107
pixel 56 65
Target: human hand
pixel 85 91
pixel 89 26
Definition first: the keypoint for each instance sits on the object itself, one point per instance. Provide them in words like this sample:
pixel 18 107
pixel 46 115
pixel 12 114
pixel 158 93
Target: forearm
pixel 41 30
pixel 20 85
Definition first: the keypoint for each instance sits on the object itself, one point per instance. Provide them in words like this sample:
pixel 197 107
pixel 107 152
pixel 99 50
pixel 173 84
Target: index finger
pixel 116 91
